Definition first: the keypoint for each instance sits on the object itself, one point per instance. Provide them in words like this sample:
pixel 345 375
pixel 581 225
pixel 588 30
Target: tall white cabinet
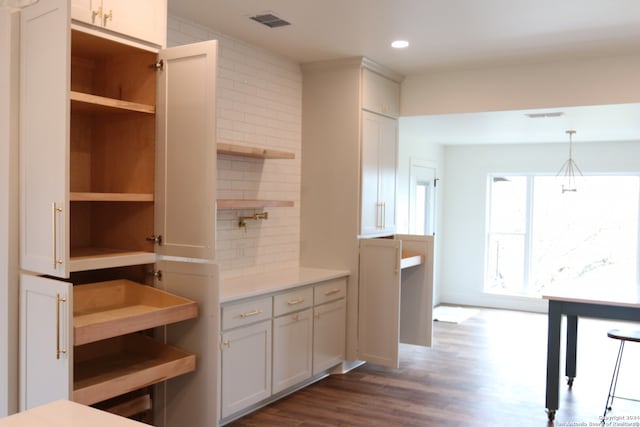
pixel 113 129
pixel 349 163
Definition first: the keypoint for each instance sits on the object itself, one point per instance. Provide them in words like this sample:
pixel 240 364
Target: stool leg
pixel 614 379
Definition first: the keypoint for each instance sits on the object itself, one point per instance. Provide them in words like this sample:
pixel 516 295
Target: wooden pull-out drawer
pixel 108 309
pixel 246 312
pixel 297 299
pixel 330 290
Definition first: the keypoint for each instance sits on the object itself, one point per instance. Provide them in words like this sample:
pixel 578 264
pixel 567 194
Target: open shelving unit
pixel 255 153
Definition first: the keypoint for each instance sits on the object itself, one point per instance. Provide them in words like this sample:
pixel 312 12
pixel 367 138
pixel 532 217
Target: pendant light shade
pixel 569 169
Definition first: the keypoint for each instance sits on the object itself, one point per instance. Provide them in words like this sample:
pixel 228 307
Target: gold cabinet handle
pixel 331 292
pixel 295 301
pixel 96 14
pixel 107 17
pixel 384 215
pixel 225 343
pixel 250 313
pixel 59 351
pixel 54 225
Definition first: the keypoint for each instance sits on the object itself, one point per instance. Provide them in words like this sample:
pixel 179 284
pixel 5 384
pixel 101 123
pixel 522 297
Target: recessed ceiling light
pixel 400 44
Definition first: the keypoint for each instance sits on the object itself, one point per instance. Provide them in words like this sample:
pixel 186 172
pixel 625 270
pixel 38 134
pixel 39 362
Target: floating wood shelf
pixel 83 259
pixel 109 368
pixel 252 204
pixel 117 307
pixel 94 103
pixel 254 152
pixel 411 259
pixel 76 196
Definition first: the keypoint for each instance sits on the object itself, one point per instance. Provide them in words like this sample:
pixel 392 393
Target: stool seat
pixel 626 335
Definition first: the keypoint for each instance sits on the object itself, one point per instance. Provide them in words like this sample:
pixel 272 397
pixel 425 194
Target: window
pixel 538 236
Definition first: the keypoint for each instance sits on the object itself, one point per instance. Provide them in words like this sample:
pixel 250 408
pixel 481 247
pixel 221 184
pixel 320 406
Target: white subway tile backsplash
pixel 259 102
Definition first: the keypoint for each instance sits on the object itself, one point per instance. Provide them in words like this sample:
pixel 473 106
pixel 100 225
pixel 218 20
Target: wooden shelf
pixel 410 259
pixel 254 152
pixel 109 368
pixel 95 104
pixel 117 307
pixel 252 204
pixel 83 259
pixel 77 196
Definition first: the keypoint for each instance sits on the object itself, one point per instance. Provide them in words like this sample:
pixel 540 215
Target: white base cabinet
pixel 246 366
pixel 328 335
pixel 276 342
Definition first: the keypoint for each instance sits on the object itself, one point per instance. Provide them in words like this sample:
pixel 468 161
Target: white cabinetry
pixel 292 338
pixel 380 94
pixel 103 155
pixel 245 354
pixel 349 146
pixel 379 154
pixel 46 340
pixel 141 19
pixel 308 336
pixel 396 296
pixel 329 327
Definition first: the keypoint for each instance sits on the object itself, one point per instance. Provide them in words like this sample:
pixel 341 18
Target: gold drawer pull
pixel 295 301
pixel 331 292
pixel 59 351
pixel 250 313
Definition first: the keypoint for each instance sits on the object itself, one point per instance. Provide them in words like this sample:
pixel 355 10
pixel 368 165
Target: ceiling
pixel 445 35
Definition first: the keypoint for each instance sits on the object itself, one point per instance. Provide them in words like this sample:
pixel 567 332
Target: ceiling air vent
pixel 270 20
pixel 545 115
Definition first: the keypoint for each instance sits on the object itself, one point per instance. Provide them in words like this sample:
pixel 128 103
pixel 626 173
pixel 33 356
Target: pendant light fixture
pixel 569 168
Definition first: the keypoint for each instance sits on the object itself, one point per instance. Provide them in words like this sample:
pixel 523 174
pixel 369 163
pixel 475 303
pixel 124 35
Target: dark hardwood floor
pixel 487 371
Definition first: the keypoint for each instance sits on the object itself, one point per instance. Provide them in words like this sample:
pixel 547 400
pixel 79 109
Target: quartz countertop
pixel 239 287
pixel 64 413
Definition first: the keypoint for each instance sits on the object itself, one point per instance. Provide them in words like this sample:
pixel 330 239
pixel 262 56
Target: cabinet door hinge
pixel 157 274
pixel 159 66
pixel 155 239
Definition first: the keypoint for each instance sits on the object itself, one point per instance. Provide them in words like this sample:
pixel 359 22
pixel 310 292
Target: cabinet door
pixel 379 154
pixel 142 19
pixel 186 151
pixel 292 347
pixel 194 396
pixel 380 94
pixel 86 11
pixel 387 167
pixel 44 137
pixel 46 329
pixel 329 326
pixel 246 367
pixel 379 301
pixel 371 210
pixel 416 316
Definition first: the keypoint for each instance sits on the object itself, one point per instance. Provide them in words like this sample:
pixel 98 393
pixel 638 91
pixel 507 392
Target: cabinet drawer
pixel 294 300
pixel 330 290
pixel 246 312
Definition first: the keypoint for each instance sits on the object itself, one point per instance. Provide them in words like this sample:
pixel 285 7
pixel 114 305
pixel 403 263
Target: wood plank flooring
pixel 487 371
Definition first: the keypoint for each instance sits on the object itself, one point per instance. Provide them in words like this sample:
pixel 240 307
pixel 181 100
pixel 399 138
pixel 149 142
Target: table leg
pixel 572 348
pixel 553 358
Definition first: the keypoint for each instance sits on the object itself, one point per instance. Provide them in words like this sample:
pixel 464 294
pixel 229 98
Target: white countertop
pixel 64 413
pixel 235 288
pixel 595 293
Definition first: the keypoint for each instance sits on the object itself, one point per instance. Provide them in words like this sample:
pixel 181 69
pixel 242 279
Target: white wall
pixel 259 102
pixel 592 81
pixel 414 146
pixel 467 167
pixel 8 211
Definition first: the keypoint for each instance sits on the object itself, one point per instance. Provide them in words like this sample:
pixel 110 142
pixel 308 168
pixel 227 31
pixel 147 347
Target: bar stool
pixel 623 336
